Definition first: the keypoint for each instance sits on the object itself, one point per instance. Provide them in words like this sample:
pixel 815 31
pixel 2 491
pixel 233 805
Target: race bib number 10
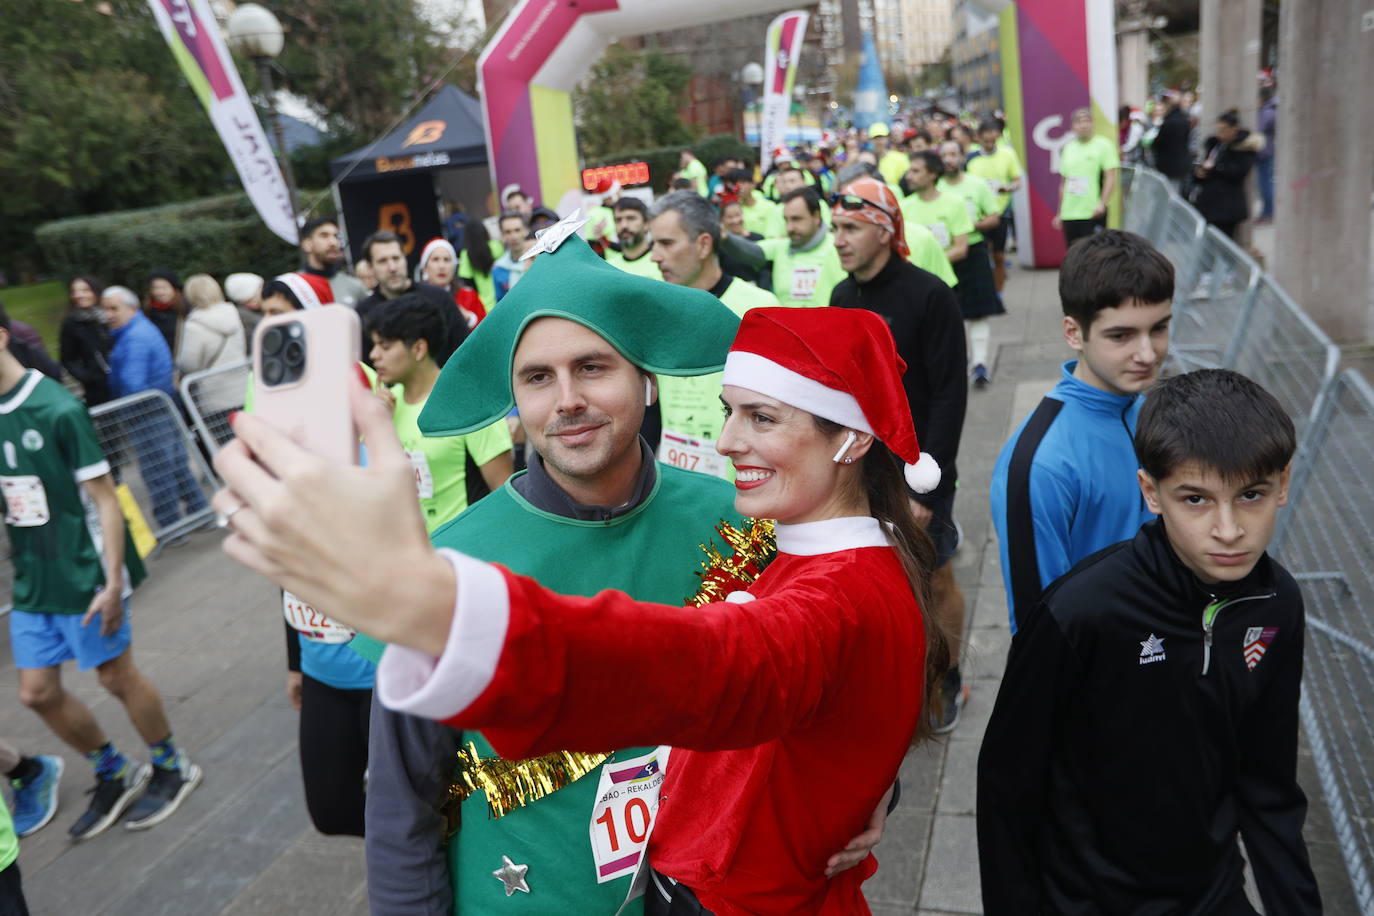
pixel 623 816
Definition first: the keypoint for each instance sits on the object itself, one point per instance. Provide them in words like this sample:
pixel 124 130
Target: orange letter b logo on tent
pixel 425 132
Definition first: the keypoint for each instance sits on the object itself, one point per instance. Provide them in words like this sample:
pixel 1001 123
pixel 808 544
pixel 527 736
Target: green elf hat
pixel 660 327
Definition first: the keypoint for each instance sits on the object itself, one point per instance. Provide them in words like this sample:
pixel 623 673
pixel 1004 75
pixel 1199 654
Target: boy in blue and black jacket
pixel 1148 716
pixel 1064 486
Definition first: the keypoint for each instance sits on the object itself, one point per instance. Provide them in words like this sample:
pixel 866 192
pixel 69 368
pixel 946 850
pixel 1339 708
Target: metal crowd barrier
pixel 1210 314
pixel 1328 544
pixel 210 396
pixel 1229 313
pixel 151 452
pixel 1282 348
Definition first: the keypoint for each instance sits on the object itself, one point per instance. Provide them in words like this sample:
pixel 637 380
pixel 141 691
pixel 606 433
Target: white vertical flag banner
pixel 193 35
pixel 785 34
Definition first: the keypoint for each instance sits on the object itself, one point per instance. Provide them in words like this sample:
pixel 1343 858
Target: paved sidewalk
pixel 210 636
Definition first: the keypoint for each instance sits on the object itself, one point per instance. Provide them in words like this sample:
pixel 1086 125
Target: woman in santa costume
pixel 788 707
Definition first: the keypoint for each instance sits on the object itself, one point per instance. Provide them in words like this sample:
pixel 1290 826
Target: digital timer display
pixel 630 173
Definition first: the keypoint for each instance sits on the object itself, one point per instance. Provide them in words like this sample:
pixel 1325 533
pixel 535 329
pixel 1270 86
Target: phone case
pixel 313 409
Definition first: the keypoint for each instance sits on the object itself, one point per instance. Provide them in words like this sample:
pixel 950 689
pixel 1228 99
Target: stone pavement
pixel 210 636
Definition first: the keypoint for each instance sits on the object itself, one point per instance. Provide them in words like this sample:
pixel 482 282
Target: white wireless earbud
pixel 648 392
pixel 848 441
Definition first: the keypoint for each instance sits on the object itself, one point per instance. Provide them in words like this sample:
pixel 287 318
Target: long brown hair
pixel 885 488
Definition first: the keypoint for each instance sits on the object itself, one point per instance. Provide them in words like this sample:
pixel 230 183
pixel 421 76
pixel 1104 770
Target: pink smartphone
pixel 303 363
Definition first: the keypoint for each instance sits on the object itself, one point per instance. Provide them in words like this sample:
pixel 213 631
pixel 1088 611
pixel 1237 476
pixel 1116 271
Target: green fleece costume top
pixel 651 553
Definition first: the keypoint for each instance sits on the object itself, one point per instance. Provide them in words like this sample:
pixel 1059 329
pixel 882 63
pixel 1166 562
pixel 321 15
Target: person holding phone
pixel 764 702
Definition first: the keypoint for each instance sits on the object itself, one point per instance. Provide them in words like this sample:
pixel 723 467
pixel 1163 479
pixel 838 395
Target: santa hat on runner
pixel 433 246
pixel 310 291
pixel 839 364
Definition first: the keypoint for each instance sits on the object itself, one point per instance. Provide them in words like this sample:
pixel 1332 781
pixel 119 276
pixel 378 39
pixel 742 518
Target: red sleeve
pixel 608 671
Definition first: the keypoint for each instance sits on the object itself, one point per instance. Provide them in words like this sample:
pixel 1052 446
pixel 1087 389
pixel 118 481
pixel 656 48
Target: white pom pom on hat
pixel 924 475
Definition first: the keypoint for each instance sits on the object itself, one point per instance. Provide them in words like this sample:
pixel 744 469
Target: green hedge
pixel 215 235
pixel 663 160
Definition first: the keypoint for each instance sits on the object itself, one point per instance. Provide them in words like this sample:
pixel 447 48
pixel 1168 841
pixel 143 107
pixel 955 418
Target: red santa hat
pixel 839 364
pixel 310 290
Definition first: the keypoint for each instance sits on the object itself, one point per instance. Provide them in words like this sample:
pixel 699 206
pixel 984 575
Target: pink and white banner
pixel 784 42
pixel 193 35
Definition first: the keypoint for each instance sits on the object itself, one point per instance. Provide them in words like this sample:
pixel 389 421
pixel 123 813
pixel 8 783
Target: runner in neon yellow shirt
pixel 943 214
pixel 686 230
pixel 691 168
pixel 759 211
pixel 631 229
pixel 1088 167
pixel 401 332
pixel 978 297
pixel 806 266
pixel 478 275
pixel 790 177
pixel 999 168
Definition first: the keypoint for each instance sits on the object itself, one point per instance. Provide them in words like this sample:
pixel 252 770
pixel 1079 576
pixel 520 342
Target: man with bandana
pixel 924 316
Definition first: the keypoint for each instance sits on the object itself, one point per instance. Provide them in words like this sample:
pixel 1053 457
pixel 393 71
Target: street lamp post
pixel 749 76
pixel 256 34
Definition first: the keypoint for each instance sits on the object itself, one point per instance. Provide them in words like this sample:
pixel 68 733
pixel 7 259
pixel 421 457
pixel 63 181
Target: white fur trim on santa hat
pixel 433 246
pixel 924 475
pixel 758 373
pixel 305 293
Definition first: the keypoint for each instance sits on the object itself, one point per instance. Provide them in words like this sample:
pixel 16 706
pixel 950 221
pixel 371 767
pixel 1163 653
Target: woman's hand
pixel 349 541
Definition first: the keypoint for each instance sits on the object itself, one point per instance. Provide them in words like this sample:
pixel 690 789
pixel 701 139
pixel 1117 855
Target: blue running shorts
pixel 48 640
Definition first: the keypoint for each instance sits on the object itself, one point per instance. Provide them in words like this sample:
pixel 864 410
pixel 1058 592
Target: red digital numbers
pixel 630 173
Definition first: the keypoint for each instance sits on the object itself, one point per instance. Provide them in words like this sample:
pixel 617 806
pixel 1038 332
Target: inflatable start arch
pixel 543 48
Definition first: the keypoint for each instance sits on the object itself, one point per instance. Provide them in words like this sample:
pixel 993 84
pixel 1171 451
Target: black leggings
pixel 12 892
pixel 333 743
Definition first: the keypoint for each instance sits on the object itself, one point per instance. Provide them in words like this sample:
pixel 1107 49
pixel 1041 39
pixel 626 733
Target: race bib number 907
pixel 623 816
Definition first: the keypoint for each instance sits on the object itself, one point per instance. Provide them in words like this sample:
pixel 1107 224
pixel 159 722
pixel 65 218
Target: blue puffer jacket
pixel 140 359
pixel 1078 484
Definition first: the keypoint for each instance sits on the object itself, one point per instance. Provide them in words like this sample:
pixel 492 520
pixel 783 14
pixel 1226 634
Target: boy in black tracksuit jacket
pixel 1149 711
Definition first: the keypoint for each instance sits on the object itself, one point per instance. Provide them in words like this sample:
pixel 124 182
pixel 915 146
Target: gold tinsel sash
pixel 511 784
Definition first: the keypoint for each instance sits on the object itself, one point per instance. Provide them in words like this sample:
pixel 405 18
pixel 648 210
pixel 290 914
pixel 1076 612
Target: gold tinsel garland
pixel 511 784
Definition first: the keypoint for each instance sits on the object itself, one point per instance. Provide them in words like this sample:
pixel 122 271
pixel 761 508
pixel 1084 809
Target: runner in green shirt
pixel 74 567
pixel 943 214
pixel 759 211
pixel 11 891
pixel 475 261
pixel 632 230
pixel 402 331
pixel 927 254
pixel 691 168
pixel 806 266
pixel 686 229
pixel 977 291
pixel 1088 167
pixel 998 167
pixel 790 177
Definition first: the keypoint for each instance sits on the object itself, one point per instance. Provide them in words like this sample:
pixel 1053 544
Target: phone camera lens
pixel 293 354
pixel 272 371
pixel 272 341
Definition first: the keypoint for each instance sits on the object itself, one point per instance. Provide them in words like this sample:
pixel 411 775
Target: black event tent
pixel 397 183
pixel 446 133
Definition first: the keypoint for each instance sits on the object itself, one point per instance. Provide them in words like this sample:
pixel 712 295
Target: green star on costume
pixel 512 876
pixel 661 328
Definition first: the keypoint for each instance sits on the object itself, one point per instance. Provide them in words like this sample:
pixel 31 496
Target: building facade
pixel 976 58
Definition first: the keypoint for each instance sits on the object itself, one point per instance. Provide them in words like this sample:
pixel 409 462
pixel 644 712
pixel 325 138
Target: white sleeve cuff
pixel 92 471
pixel 416 684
